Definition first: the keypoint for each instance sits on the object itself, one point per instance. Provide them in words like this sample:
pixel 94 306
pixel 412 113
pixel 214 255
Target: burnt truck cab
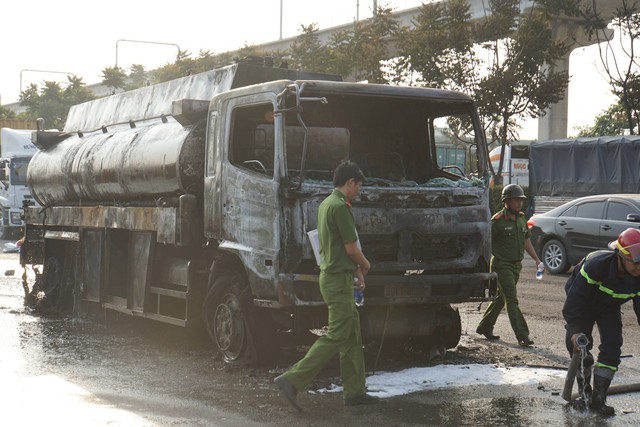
pixel 423 225
pixel 191 201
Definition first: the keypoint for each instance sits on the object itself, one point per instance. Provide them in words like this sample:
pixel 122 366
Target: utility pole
pixel 281 19
pixel 375 7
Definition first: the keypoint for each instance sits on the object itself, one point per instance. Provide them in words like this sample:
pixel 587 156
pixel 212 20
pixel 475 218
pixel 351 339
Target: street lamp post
pixel 280 19
pixel 141 41
pixel 41 71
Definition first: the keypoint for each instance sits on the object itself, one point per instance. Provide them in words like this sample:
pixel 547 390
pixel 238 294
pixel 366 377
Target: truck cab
pixel 16 150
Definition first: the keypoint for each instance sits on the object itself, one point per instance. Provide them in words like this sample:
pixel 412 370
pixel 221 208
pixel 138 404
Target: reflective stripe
pixel 602 365
pixel 604 289
pixel 623 250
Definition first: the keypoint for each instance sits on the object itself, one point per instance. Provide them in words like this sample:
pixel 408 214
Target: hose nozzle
pixel 582 341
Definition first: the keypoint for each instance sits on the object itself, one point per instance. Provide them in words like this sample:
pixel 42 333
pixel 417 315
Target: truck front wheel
pixel 446 333
pixel 226 309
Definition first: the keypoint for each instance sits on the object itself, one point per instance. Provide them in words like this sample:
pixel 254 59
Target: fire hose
pixel 576 362
pixel 582 343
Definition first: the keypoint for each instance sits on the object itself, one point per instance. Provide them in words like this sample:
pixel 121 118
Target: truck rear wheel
pixel 226 309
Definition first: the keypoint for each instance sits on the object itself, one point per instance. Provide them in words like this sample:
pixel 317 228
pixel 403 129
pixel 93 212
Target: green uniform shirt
pixel 508 236
pixel 336 227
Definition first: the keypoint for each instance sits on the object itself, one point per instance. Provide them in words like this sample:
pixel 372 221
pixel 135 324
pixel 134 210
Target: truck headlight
pixel 16 218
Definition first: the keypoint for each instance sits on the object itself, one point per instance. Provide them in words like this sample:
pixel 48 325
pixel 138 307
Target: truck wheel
pixel 554 256
pixel 52 277
pixel 446 334
pixel 225 312
pixel 453 330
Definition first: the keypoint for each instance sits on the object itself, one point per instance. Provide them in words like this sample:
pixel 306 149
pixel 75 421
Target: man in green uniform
pixel 341 260
pixel 509 239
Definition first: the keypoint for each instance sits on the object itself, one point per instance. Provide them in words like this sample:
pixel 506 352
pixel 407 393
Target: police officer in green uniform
pixel 341 260
pixel 509 239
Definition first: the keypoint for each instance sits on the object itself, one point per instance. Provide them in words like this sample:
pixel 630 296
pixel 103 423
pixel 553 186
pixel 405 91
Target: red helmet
pixel 628 244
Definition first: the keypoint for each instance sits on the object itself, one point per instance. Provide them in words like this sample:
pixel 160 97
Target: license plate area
pixel 406 291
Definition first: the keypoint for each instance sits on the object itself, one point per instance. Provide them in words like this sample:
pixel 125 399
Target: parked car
pixel 566 234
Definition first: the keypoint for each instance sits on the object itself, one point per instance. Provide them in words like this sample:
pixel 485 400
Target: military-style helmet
pixel 512 191
pixel 628 244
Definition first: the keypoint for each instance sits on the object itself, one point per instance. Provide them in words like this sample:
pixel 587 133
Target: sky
pixel 80 37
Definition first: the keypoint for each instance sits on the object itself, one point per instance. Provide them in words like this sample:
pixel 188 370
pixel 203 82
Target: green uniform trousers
pixel 508 275
pixel 343 336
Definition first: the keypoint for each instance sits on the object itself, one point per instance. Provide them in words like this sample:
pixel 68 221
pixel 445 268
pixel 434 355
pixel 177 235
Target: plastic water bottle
pixel 358 296
pixel 540 271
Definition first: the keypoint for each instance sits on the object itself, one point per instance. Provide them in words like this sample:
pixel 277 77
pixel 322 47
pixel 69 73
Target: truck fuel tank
pixel 141 163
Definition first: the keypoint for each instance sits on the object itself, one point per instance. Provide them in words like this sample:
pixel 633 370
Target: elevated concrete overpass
pixel 554 124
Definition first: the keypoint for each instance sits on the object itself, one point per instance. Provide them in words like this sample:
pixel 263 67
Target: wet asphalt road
pixel 130 372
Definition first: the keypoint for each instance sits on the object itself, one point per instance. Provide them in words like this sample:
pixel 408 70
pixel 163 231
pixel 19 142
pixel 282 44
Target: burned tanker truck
pixel 189 202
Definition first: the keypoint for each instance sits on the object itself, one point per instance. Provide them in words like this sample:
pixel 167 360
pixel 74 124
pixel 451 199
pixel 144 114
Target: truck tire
pixel 554 256
pixel 453 330
pixel 446 334
pixel 52 277
pixel 226 311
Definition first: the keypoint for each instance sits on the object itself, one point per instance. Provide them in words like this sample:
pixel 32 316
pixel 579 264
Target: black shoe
pixel 488 335
pixel 525 342
pixel 288 391
pixel 363 399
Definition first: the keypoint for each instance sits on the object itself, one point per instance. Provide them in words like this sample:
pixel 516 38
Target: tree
pixel 610 122
pixel 355 54
pixel 370 45
pixel 138 77
pixel 505 61
pixel 52 103
pixel 622 69
pixel 6 113
pixel 114 78
pixel 307 52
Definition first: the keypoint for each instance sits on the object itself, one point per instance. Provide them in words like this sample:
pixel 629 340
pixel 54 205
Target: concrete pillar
pixel 553 125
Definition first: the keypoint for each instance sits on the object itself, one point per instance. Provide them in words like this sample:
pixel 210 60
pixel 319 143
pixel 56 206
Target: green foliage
pixel 622 69
pixel 6 113
pixel 114 77
pixel 307 52
pixel 355 54
pixel 610 122
pixel 439 48
pixel 370 45
pixel 185 65
pixel 138 77
pixel 504 61
pixel 52 103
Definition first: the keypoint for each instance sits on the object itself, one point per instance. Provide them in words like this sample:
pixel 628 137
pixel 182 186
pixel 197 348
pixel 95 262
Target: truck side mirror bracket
pixel 297 91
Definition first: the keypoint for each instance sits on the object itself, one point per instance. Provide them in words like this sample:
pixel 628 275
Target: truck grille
pixel 411 247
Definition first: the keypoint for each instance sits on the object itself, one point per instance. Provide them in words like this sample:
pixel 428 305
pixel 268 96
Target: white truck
pixel 16 150
pixel 515 167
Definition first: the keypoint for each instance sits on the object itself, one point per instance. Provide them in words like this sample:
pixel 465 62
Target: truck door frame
pixel 243 205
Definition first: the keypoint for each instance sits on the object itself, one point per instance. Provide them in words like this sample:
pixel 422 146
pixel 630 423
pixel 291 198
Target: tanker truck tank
pixel 152 146
pixel 140 164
